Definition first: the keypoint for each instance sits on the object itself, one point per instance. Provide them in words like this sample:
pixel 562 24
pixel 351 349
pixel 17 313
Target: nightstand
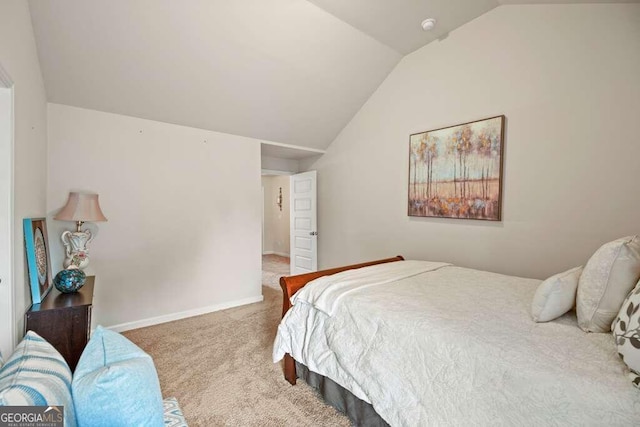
pixel 64 320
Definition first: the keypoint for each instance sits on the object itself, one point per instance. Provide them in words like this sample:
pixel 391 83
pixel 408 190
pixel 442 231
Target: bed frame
pixel 292 284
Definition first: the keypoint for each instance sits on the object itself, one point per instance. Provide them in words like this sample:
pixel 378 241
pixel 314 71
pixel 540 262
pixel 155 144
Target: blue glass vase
pixel 70 280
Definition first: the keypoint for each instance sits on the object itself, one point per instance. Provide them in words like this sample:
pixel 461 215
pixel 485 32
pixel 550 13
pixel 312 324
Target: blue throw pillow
pixel 116 384
pixel 37 375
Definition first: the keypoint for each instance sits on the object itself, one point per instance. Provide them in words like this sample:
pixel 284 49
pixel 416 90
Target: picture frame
pixel 36 246
pixel 456 171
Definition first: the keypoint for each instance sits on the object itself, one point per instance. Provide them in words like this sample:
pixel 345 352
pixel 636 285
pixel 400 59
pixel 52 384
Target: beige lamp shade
pixel 81 207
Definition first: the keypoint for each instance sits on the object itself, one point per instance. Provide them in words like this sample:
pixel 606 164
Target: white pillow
pixel 556 295
pixel 605 282
pixel 626 330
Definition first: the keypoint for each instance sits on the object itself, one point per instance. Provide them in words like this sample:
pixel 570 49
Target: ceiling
pixel 290 71
pixel 397 23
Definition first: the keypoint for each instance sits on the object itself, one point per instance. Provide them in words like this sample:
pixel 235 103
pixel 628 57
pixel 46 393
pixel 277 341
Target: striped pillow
pixel 37 375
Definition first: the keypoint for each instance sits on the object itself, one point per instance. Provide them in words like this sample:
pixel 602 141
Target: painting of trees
pixel 455 172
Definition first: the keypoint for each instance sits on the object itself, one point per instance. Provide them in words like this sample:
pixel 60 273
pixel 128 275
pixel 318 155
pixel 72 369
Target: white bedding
pixel 454 346
pixel 326 292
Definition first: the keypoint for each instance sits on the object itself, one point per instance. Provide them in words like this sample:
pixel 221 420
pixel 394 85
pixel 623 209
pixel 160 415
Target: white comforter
pixel 445 345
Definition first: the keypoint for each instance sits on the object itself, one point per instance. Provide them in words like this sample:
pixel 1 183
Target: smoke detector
pixel 428 24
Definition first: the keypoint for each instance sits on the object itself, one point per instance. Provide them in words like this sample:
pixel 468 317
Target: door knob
pixel 313 233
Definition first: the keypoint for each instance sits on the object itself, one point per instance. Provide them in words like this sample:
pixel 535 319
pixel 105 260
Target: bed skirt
pixel 359 412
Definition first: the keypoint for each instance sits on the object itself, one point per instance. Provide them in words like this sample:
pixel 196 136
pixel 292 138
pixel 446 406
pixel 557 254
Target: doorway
pixel 289 231
pixel 275 228
pixel 7 319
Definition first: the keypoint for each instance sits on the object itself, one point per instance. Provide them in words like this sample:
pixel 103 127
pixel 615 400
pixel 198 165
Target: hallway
pixel 273 268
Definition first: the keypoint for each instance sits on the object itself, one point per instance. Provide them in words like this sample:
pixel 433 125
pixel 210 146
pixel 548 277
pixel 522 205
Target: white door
pixel 303 224
pixel 6 217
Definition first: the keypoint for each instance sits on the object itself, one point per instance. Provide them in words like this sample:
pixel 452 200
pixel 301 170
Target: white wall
pixel 183 209
pixel 279 164
pixel 276 221
pixel 19 58
pixel 567 77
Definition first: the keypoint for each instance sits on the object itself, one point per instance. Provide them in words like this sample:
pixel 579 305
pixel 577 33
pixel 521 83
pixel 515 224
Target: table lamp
pixel 81 208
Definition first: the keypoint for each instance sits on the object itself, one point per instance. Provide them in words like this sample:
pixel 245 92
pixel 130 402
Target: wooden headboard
pixel 292 284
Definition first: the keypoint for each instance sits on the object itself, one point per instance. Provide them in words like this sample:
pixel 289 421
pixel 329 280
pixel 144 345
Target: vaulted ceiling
pixel 289 71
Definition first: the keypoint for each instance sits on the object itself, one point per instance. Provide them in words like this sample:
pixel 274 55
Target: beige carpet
pixel 219 367
pixel 273 268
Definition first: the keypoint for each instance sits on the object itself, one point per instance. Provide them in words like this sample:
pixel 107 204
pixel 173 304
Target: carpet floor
pixel 273 268
pixel 219 367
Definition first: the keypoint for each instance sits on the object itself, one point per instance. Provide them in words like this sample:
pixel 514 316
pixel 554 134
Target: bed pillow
pixel 37 375
pixel 116 384
pixel 556 295
pixel 626 330
pixel 605 282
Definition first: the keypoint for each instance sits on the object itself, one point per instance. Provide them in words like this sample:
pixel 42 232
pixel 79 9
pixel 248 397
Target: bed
pixel 426 343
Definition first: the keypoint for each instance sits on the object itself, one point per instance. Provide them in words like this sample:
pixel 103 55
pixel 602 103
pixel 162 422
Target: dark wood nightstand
pixel 64 320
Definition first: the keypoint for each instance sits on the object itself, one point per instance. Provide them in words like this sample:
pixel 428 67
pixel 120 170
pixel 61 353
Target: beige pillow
pixel 555 296
pixel 605 282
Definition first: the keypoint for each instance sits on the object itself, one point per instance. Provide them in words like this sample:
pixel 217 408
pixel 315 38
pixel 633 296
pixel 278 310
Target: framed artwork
pixel 36 248
pixel 456 172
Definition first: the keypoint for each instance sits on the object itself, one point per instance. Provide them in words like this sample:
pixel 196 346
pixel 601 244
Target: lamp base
pixel 76 244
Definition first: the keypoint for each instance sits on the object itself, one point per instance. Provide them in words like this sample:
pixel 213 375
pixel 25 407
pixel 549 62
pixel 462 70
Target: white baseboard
pixel 275 253
pixel 183 314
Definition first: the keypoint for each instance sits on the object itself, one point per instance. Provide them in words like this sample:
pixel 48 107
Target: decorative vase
pixel 69 280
